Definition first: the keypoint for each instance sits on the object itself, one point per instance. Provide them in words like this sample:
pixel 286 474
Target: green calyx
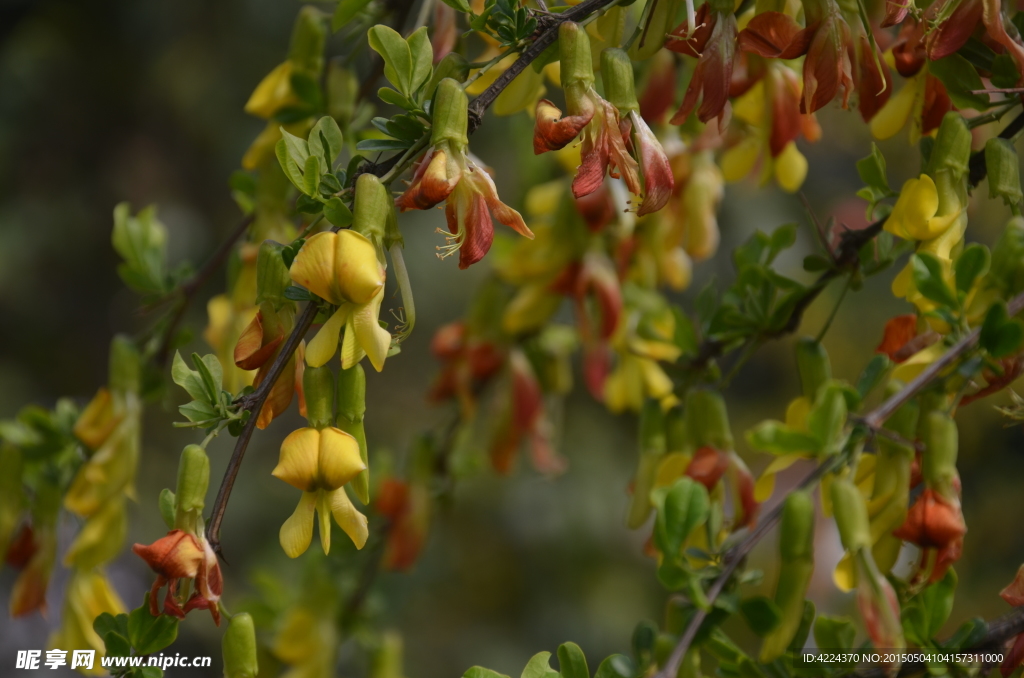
pixel 351 408
pixel 309 36
pixel 190 494
pixel 952 149
pixel 373 209
pixel 941 441
pixel 450 115
pixel 617 76
pixel 318 387
pixel 239 647
pixel 1003 171
pixel 851 513
pixel 577 65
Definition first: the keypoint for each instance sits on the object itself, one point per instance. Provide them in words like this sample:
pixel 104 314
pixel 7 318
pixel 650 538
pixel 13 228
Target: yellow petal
pixel 325 343
pixel 297 464
pixel 348 518
pixel 339 458
pixel 790 168
pixel 373 339
pixel 657 382
pixel 845 574
pixel 738 161
pixel 796 413
pixel 297 532
pixel 530 309
pixel 766 483
pixel 895 113
pixel 543 199
pixel 339 267
pixel 918 202
pixel 323 512
pixel 671 467
pixel 750 106
pixel 273 93
pixel 913 366
pixel 261 149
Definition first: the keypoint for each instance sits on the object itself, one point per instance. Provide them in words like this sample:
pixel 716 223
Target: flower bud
pixel 652 448
pixel 351 407
pixel 1007 269
pixel 952 150
pixel 309 35
pixel 124 366
pixel 450 114
pixel 239 647
pixel 272 277
pixel 939 459
pixel 1003 171
pixel 813 365
pixel 318 385
pixel 577 66
pixel 851 513
pixel 796 535
pixel 453 66
pixel 373 207
pixel 193 481
pixel 707 420
pixel 617 75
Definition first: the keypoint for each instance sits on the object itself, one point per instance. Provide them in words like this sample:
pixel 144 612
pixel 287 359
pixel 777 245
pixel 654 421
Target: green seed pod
pixel 813 365
pixel 372 208
pixel 939 459
pixel 796 548
pixel 193 481
pixel 617 76
pixel 351 407
pixel 851 513
pixel 318 386
pixel 1003 171
pixel 272 277
pixel 450 114
pixel 577 66
pixel 309 36
pixel 707 421
pixel 952 150
pixel 453 66
pixel 239 647
pixel 652 448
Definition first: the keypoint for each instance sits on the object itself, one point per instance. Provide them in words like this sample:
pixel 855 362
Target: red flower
pixel 713 43
pixel 526 420
pixel 179 555
pixel 898 331
pixel 935 523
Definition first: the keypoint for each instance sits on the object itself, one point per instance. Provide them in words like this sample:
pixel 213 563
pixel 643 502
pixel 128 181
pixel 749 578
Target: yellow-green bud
pixel 1003 167
pixel 938 463
pixel 617 76
pixel 813 365
pixel 450 114
pixel 309 36
pixel 193 481
pixel 318 388
pixel 796 534
pixel 372 208
pixel 239 647
pixel 851 515
pixel 707 421
pixel 796 547
pixel 351 407
pixel 272 277
pixel 676 435
pixel 577 66
pixel 952 149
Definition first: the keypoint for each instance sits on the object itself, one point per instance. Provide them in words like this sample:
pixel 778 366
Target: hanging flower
pixel 713 43
pixel 447 173
pixel 177 556
pixel 320 463
pixel 525 420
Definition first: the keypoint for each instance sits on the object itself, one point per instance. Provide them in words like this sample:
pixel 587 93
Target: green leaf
pixel 422 58
pixel 390 96
pixel 828 415
pixel 761 614
pixel 775 437
pixel 1004 71
pixel 872 171
pixel 834 634
pixel 481 672
pixel 782 238
pixel 959 77
pixel 1000 334
pixel 937 601
pixel 210 371
pixel 682 507
pixel 199 412
pixel 325 141
pixel 539 667
pixel 311 176
pixel 346 11
pixel 149 672
pixel 383 145
pixel 929 279
pixel 972 263
pixel 460 5
pixel 190 380
pixel 398 62
pixel 873 375
pixel 616 666
pixel 108 623
pixel 337 212
pixel 571 661
pixel 149 634
pixel 290 166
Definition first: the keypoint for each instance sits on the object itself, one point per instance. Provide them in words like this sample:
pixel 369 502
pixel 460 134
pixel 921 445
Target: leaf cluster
pixel 138 634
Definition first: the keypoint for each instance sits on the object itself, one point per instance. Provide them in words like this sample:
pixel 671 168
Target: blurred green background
pixel 104 101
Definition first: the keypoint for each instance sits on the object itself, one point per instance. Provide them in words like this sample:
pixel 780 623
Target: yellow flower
pixel 913 216
pixel 363 336
pixel 320 463
pixel 89 595
pixel 339 267
pixel 98 420
pixel 273 93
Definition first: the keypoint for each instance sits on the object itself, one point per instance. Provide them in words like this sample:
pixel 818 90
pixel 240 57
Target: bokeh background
pixel 103 101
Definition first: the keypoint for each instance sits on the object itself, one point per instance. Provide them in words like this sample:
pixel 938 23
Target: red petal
pixel 952 34
pixel 658 179
pixel 551 131
pixel 775 35
pixel 787 121
pixel 1014 658
pixel 680 40
pixel 250 351
pixel 936 104
pixel 895 12
pixel 430 183
pixel 898 331
pixel 827 68
pixel 873 87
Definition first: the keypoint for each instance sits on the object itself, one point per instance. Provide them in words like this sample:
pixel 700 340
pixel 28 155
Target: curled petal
pixel 874 84
pixel 250 351
pixel 551 131
pixel 323 346
pixel 950 35
pixel 338 459
pixel 174 556
pixel 351 521
pixel 297 532
pixel 775 35
pixel 481 182
pixel 827 68
pixel 895 12
pixel 364 335
pixel 657 172
pixel 713 75
pixel 280 394
pixel 898 331
pixel 299 459
pixel 468 217
pixel 432 182
pixel 936 104
pixel 933 521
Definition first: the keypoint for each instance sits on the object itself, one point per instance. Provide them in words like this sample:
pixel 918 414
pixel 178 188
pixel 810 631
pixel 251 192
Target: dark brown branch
pixel 253 403
pixel 188 289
